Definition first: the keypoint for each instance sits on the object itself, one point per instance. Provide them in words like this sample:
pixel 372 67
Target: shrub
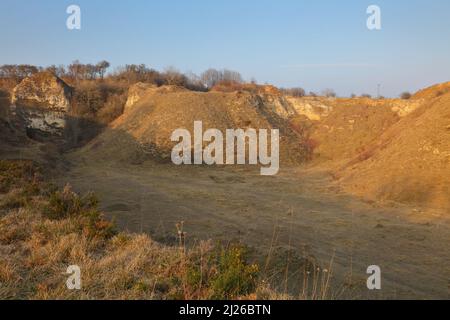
pixel 15 174
pixel 113 108
pixel 406 95
pixel 218 273
pixel 91 97
pixel 67 204
pixel 234 276
pixel 20 181
pixel 230 86
pixel 88 99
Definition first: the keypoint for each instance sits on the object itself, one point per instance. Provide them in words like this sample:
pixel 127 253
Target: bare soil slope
pixel 433 91
pixel 350 125
pixel 410 162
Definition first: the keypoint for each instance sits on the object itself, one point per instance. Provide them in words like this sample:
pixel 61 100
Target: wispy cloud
pixel 328 65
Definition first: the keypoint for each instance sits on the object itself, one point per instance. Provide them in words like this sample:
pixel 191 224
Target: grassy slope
pixel 43 231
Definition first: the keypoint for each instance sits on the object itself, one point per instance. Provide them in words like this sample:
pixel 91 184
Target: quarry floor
pixel 301 209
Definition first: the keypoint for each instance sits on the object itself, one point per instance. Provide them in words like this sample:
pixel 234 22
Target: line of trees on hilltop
pixel 76 70
pixel 20 71
pixel 80 71
pixel 294 92
pixel 129 73
pixel 212 77
pixel 140 73
pixel 126 75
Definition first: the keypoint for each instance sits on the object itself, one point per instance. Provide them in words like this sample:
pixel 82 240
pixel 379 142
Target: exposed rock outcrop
pixel 135 93
pixel 312 108
pixel 42 101
pixel 43 90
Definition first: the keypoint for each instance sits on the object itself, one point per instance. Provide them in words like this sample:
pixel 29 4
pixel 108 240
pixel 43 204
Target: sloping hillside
pixel 145 129
pixel 433 91
pixel 349 126
pixel 341 128
pixel 410 162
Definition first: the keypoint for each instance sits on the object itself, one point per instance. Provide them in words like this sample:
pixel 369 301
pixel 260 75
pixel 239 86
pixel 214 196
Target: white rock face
pixel 405 107
pixel 43 90
pixel 309 107
pixel 51 122
pixel 277 104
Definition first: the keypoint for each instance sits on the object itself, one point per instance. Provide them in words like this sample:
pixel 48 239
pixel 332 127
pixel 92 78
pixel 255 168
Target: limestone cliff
pixel 43 90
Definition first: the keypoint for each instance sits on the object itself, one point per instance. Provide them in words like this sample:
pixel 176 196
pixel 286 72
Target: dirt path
pixel 303 209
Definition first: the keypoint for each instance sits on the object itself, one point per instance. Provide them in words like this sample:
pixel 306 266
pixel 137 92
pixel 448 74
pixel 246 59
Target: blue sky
pixel 313 44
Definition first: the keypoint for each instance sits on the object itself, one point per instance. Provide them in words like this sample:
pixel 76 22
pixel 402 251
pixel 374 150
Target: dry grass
pixel 46 230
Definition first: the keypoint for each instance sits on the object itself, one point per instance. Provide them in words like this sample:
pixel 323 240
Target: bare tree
pixel 194 82
pixel 295 92
pixel 211 77
pixel 230 75
pixel 102 66
pixel 175 77
pixel 329 93
pixel 18 72
pixel 75 70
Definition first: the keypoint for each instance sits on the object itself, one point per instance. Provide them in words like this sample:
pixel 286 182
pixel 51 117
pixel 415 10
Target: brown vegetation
pixel 43 231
